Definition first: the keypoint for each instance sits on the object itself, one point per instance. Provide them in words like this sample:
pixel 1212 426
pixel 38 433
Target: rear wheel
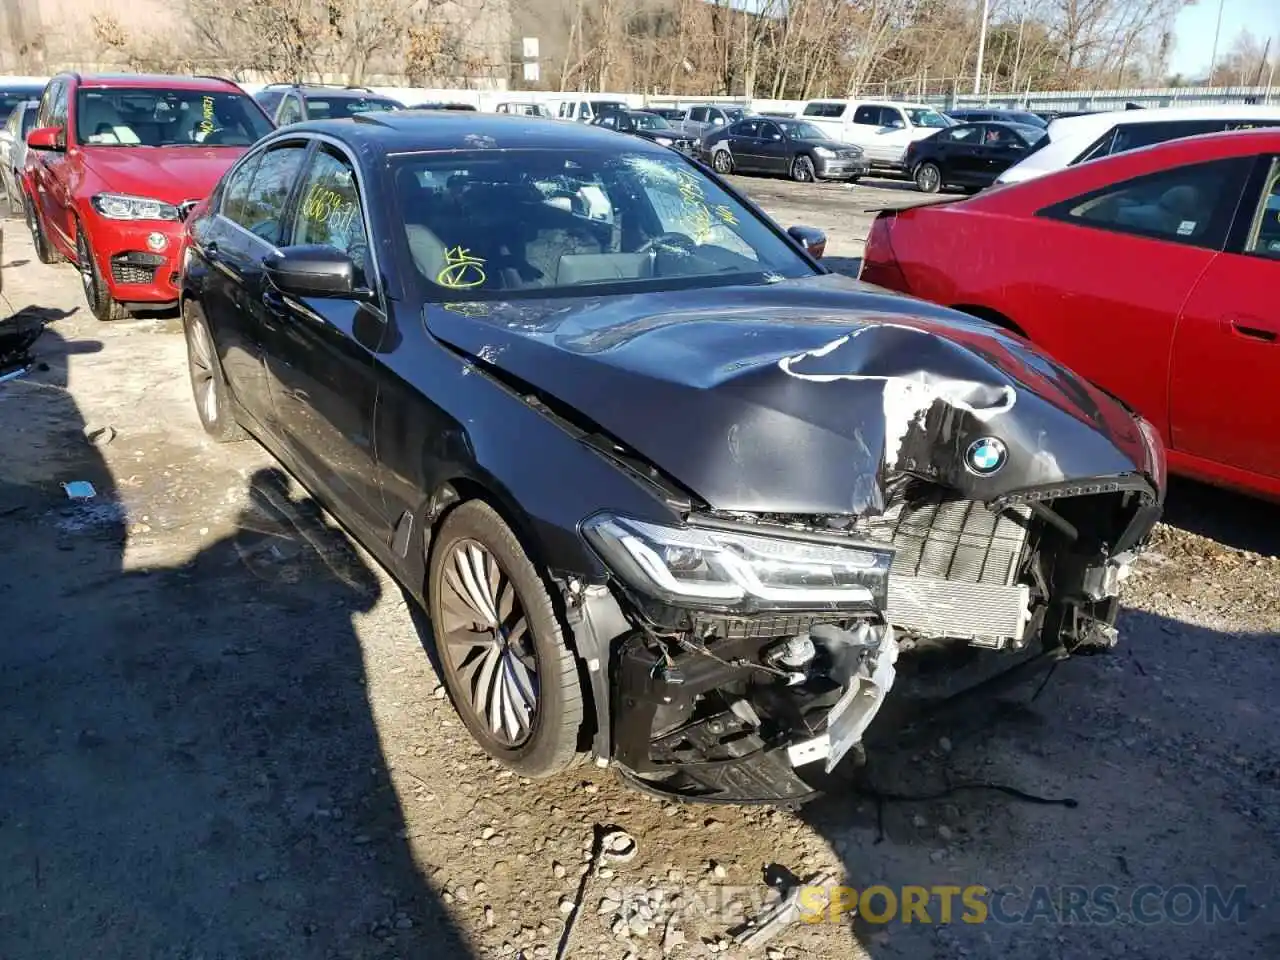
pixel 802 170
pixel 100 301
pixel 214 405
pixel 512 676
pixel 928 178
pixel 44 250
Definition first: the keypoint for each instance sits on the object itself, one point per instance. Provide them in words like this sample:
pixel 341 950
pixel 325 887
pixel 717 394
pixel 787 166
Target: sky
pixel 1195 25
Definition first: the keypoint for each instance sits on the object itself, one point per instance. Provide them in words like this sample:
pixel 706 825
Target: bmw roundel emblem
pixel 986 456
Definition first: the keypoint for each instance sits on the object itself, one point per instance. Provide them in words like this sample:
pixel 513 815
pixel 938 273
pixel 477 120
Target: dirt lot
pixel 222 737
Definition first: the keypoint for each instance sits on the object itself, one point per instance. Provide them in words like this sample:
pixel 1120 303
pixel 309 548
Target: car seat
pixel 100 122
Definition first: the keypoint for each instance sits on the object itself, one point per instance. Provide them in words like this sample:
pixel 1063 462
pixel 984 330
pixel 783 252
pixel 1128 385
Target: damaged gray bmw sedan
pixel 673 495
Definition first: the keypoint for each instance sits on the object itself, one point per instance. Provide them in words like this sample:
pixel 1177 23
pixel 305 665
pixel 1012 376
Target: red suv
pixel 114 164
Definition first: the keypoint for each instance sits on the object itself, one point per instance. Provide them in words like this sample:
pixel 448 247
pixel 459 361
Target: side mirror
pixel 313 270
pixel 47 138
pixel 812 239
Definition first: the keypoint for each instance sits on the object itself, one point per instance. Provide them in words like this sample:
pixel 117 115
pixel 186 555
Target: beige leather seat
pixel 100 122
pixel 426 249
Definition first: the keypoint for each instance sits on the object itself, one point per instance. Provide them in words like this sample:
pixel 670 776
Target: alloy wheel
pixel 927 178
pixel 486 635
pixel 722 162
pixel 802 169
pixel 204 380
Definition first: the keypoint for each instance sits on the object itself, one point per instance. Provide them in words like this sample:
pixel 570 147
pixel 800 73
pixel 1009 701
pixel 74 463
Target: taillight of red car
pixel 879 265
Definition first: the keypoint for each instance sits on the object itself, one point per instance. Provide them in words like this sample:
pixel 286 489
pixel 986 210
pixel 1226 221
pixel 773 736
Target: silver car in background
pixel 13 149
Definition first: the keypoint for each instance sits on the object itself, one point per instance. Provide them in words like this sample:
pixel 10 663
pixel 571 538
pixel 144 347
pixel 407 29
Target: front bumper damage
pixel 762 708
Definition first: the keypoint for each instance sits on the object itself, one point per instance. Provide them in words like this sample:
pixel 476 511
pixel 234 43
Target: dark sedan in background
pixel 794 148
pixel 970 154
pixel 646 124
pixel 979 114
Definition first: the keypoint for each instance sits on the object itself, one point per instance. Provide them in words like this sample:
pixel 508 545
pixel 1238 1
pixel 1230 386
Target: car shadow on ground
pixel 191 763
pixel 1235 519
pixel 970 802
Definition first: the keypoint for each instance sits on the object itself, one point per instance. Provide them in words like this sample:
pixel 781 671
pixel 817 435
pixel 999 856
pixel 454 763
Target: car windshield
pixel 489 225
pixel 337 108
pixel 799 130
pixel 924 117
pixel 138 117
pixel 734 113
pixel 650 121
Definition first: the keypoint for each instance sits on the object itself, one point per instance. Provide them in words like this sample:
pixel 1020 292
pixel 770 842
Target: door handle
pixel 1254 328
pixel 273 300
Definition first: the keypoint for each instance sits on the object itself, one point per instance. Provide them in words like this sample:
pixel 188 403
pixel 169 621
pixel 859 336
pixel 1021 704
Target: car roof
pixel 1158 156
pixel 355 93
pixel 415 131
pixel 152 80
pixel 873 103
pixel 1102 122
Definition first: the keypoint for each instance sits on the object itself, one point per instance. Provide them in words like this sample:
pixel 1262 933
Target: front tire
pixel 99 298
pixel 508 668
pixel 722 162
pixel 802 170
pixel 928 178
pixel 44 250
pixel 214 405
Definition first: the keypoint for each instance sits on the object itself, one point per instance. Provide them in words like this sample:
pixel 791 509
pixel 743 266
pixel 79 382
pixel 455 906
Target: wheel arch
pixel 463 488
pixel 991 316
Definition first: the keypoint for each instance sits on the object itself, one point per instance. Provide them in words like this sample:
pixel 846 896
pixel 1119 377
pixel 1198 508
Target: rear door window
pixel 262 212
pixel 1192 204
pixel 828 110
pixel 868 116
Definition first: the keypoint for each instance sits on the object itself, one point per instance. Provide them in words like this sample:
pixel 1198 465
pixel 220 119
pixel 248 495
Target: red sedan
pixel 1153 273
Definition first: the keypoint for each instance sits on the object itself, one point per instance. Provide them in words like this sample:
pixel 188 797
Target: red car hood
pixel 171 174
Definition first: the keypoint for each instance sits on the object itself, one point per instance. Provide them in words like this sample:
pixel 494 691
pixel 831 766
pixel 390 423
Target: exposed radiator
pixel 955 567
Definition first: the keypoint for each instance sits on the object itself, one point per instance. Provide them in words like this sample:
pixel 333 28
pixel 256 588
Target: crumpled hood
pixel 171 174
pixel 798 397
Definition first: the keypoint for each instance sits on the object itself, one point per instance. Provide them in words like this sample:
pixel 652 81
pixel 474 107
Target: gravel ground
pixel 223 738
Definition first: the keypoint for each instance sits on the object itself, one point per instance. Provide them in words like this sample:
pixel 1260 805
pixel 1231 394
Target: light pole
pixel 1213 57
pixel 982 47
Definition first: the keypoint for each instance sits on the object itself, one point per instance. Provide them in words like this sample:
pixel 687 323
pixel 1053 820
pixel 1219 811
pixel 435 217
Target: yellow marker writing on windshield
pixel 462 270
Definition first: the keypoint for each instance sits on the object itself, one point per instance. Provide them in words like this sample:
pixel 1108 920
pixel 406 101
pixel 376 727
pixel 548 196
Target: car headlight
pixel 120 206
pixel 725 568
pixel 1155 452
pixel 824 151
pixel 665 141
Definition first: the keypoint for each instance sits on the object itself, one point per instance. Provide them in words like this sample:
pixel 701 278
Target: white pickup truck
pixel 882 128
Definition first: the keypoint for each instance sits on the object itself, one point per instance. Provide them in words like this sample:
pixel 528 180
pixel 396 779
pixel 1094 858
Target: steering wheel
pixel 213 138
pixel 670 241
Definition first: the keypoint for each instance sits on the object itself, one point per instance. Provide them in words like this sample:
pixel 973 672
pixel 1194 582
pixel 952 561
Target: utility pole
pixel 1213 57
pixel 1262 64
pixel 982 47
